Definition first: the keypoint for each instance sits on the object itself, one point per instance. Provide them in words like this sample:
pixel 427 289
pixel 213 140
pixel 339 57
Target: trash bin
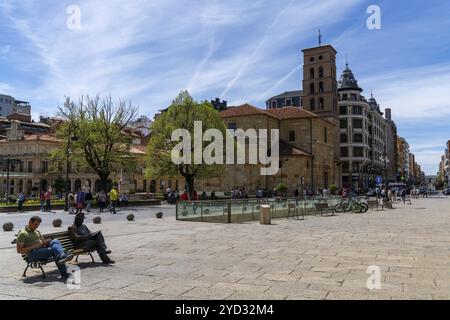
pixel 265 217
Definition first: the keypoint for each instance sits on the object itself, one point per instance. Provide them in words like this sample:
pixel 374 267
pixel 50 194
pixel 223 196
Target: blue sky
pixel 242 51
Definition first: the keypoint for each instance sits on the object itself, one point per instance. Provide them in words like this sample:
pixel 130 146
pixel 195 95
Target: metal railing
pixel 246 210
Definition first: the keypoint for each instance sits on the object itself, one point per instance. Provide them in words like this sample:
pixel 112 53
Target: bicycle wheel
pixel 364 207
pixel 339 208
pixel 348 207
pixel 357 208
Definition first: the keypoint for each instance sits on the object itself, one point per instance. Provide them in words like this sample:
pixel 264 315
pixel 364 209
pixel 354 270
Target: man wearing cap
pixel 87 240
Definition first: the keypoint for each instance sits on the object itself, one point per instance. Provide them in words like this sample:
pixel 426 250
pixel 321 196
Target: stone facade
pixel 35 171
pixel 306 151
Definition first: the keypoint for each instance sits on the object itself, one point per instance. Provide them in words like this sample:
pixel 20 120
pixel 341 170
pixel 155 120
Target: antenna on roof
pixel 320 38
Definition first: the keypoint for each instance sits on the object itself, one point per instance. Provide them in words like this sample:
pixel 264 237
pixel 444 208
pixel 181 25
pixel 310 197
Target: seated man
pixel 31 243
pixel 85 239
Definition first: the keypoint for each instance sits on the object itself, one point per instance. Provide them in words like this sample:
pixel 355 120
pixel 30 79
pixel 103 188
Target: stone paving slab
pixel 319 258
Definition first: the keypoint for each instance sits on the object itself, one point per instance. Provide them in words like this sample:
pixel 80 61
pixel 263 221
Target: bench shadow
pixel 53 276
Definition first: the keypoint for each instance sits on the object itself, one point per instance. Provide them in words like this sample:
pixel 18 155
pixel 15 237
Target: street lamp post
pixel 69 145
pixel 384 158
pixel 282 162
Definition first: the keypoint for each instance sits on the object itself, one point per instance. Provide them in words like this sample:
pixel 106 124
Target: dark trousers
pixel 96 242
pixel 48 206
pixel 20 206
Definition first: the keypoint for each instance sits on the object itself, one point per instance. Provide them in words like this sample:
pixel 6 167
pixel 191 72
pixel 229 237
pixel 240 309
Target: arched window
pixel 313 104
pixel 321 87
pixel 311 73
pixel 321 104
pixel 312 89
pixel 321 72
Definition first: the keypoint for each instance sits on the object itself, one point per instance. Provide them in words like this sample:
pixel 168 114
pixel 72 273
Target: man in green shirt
pixel 31 243
pixel 113 197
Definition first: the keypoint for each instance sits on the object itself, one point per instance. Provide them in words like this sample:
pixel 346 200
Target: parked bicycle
pixel 351 205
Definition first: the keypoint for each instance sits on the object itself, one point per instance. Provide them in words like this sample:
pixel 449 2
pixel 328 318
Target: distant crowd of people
pixel 77 201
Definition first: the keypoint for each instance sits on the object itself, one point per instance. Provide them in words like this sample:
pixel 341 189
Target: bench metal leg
pixel 25 271
pixel 76 259
pixel 43 272
pixel 92 257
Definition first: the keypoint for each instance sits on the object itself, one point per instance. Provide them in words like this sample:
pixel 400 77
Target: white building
pixel 363 134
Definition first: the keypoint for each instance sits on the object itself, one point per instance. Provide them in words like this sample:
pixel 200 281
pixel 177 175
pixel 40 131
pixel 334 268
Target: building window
pixel 301 102
pixel 320 72
pixel 311 88
pixel 343 110
pixel 30 166
pixel 357 110
pixel 345 167
pixel 288 102
pixel 325 135
pixel 232 126
pixel 345 97
pixel 44 166
pixel 291 136
pixel 358 138
pixel 357 123
pixel 321 87
pixel 274 104
pixel 353 97
pixel 358 152
pixel 313 104
pixel 344 152
pixel 344 123
pixel 344 138
pixel 311 73
pixel 321 104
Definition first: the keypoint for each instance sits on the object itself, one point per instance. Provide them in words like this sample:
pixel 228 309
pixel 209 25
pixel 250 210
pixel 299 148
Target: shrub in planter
pixel 159 215
pixel 57 223
pixel 97 220
pixel 130 217
pixel 8 226
pixel 206 211
pixel 184 213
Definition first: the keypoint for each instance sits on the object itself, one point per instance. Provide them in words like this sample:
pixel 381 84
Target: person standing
pixel 71 203
pixel 20 201
pixel 88 199
pixel 113 197
pixel 101 200
pixel 48 200
pixel 79 200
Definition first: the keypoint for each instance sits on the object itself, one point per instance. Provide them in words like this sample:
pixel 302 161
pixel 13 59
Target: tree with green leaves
pixel 92 132
pixel 182 114
pixel 59 185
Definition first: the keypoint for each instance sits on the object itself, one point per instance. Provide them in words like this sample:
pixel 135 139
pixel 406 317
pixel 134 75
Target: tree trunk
pixel 190 185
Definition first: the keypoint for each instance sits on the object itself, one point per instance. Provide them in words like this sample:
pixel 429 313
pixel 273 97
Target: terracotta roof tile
pixel 243 110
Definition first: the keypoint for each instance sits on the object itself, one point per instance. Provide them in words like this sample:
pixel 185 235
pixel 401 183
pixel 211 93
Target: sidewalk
pixel 319 258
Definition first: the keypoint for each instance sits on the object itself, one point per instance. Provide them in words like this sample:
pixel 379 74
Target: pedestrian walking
pixel 113 197
pixel 88 199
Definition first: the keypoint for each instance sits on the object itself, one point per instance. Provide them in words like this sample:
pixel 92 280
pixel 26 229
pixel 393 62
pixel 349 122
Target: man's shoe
pixel 108 252
pixel 66 258
pixel 108 261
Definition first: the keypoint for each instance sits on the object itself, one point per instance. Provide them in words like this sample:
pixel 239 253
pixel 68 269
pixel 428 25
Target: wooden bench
pixel 375 204
pixel 66 243
pixel 322 208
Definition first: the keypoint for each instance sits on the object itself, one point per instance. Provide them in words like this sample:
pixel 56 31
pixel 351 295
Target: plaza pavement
pixel 319 258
